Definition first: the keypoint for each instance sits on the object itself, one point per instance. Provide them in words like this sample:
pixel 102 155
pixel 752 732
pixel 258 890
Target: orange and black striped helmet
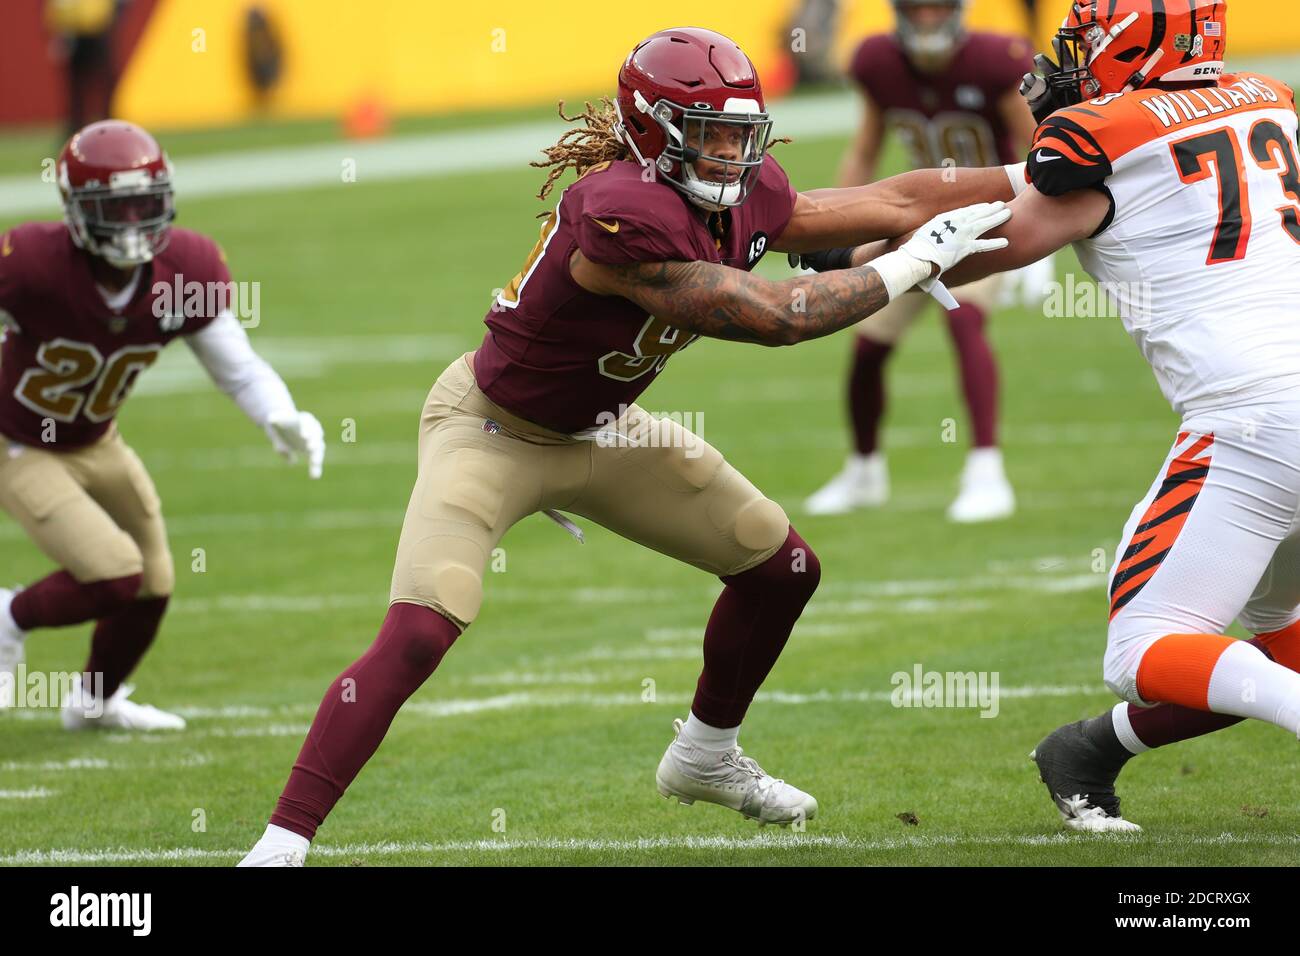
pixel 1113 46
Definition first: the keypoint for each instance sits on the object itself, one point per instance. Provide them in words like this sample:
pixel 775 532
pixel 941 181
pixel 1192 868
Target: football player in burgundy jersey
pixel 651 248
pixel 86 306
pixel 951 95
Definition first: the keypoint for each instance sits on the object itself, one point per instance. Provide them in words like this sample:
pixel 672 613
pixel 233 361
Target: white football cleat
pixel 11 650
pixel 1079 813
pixel 83 711
pixel 729 779
pixel 862 483
pixel 985 494
pixel 277 847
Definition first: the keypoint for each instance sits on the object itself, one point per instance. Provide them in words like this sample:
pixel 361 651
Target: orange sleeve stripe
pixel 1125 130
pixel 1176 669
pixel 1060 144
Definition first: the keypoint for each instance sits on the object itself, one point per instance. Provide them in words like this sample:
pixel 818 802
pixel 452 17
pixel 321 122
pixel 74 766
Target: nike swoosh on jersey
pixel 606 226
pixel 1046 159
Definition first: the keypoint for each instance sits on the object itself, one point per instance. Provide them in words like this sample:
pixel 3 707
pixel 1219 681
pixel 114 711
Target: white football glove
pixel 298 433
pixel 950 237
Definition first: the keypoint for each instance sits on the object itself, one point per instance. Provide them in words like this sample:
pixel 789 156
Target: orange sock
pixel 1283 646
pixel 1176 669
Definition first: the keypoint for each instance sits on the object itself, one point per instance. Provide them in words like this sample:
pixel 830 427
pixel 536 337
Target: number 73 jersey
pixel 1201 249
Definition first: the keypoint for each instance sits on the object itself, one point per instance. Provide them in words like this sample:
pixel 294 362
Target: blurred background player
pixel 952 96
pixel 85 32
pixel 84 314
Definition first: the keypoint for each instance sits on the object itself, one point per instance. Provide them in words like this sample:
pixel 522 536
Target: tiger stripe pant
pixel 1215 539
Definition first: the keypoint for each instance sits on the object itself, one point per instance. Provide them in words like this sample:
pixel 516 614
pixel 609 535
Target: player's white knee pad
pixel 761 525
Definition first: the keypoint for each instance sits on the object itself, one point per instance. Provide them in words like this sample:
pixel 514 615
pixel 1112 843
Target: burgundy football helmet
pixel 116 184
pixel 682 92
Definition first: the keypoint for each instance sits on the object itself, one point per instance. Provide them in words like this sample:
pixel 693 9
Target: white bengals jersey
pixel 1201 251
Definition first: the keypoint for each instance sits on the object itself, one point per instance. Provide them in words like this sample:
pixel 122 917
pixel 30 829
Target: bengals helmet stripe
pixel 1113 46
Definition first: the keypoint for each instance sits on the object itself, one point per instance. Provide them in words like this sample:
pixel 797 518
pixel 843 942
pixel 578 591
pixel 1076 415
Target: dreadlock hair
pixel 585 146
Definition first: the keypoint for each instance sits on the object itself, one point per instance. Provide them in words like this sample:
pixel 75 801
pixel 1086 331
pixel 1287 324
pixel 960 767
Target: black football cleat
pixel 1080 776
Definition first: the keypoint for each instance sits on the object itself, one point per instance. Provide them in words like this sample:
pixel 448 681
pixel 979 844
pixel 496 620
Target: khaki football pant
pixel 94 511
pixel 650 480
pixel 888 324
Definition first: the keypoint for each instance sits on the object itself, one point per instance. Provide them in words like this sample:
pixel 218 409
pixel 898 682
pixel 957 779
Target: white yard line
pixel 33 793
pixel 765 843
pixel 521 700
pixel 367 453
pixel 915 596
pixel 178 372
pixel 491 149
pixel 52 766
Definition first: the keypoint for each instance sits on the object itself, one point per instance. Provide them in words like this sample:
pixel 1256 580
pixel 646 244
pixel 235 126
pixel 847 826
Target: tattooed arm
pixel 725 303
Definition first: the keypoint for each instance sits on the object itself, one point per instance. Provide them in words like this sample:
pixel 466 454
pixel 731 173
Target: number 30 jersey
pixel 954 115
pixel 69 360
pixel 1201 250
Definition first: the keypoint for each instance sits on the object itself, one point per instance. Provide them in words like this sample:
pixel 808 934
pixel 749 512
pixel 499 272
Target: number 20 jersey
pixel 1201 250
pixel 68 359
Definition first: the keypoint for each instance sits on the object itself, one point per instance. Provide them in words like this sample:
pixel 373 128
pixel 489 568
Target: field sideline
pixel 537 721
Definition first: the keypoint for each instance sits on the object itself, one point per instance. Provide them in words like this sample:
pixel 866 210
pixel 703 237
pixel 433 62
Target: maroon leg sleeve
pixel 357 710
pixel 867 392
pixel 121 639
pixel 748 628
pixel 979 373
pixel 60 600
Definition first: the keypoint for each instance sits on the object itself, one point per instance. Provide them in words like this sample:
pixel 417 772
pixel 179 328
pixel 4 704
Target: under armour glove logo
pixel 937 235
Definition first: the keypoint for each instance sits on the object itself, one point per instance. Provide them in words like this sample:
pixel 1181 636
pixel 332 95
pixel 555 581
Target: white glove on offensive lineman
pixel 298 433
pixel 950 237
pixel 945 240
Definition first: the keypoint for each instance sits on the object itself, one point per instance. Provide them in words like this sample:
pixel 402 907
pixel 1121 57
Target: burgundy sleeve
pixel 777 196
pixel 206 259
pixel 617 224
pixel 862 67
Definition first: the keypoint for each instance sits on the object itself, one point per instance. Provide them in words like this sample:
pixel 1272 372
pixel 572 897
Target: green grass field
pixel 536 717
